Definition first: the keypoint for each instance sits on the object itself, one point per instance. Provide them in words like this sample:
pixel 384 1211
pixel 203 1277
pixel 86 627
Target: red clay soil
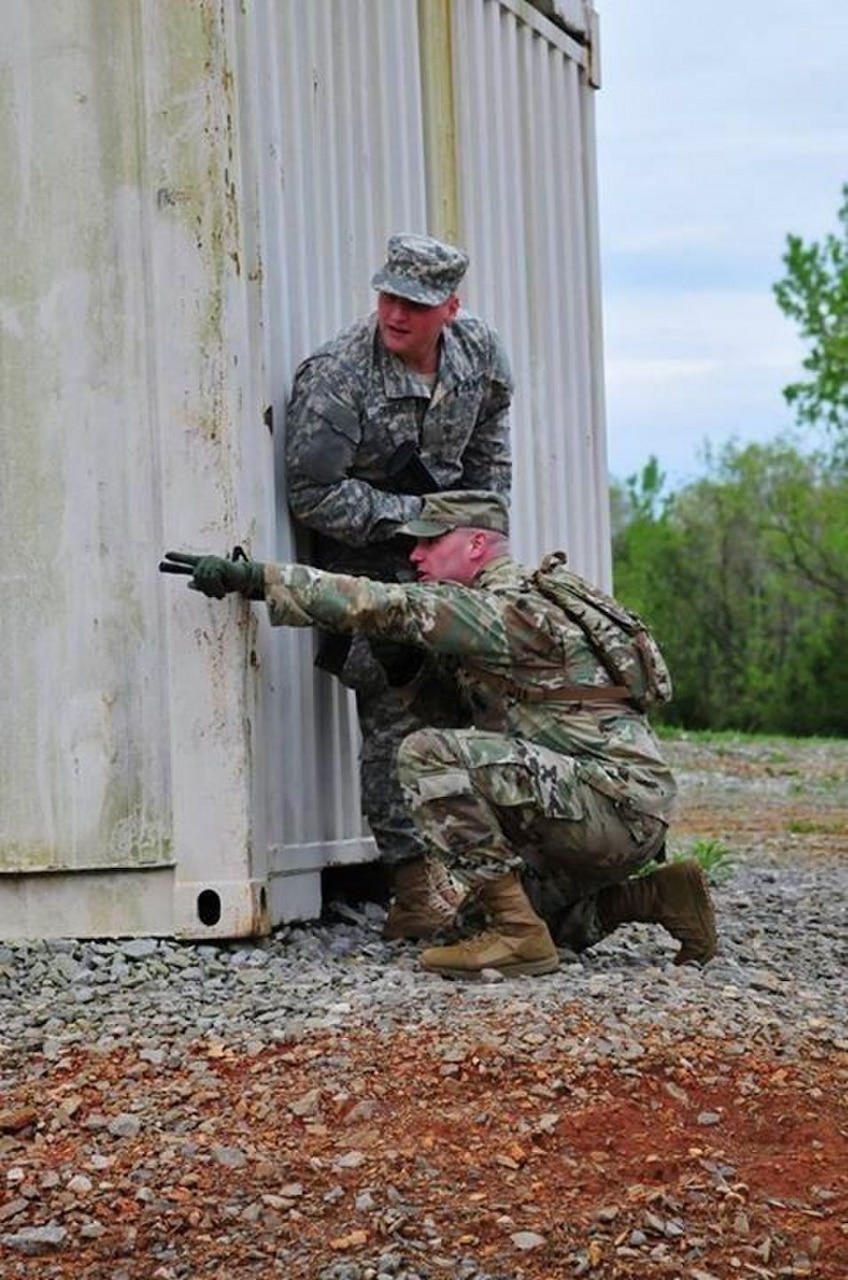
pixel 703 1163
pixel 721 1165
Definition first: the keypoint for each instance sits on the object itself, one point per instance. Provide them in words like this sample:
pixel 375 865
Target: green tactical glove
pixel 215 576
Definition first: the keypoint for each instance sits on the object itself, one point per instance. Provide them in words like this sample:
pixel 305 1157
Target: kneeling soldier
pixel 547 807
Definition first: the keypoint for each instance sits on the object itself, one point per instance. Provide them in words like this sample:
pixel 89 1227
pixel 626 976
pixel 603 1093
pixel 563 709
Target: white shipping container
pixel 196 196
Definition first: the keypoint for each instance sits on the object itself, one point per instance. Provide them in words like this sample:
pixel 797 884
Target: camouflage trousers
pixel 488 805
pixel 387 715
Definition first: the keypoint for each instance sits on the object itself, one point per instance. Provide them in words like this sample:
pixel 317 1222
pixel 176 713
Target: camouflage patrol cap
pixel 421 269
pixel 460 509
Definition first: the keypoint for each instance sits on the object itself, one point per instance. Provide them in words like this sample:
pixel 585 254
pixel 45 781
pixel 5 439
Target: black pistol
pixel 408 473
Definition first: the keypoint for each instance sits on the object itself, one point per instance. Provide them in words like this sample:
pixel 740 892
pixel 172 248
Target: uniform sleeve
pixel 323 432
pixel 486 462
pixel 445 619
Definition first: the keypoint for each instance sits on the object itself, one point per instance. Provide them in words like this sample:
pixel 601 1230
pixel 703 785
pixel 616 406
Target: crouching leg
pixel 675 896
pixel 457 783
pixel 581 879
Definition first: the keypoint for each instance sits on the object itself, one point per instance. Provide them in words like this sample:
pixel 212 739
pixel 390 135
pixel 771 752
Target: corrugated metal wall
pixel 135 766
pixel 340 164
pixel 197 195
pixel 528 208
pixel 83 779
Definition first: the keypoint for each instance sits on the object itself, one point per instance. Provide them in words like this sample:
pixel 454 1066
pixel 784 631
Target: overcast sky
pixel 721 128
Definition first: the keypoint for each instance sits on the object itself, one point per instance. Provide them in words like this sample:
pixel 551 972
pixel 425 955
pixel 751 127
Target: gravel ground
pixel 307 1105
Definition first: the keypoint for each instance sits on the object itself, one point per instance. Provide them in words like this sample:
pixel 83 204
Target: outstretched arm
pixel 444 618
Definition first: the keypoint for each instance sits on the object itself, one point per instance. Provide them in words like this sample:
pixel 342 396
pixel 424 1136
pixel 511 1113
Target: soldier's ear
pixel 477 543
pixel 453 305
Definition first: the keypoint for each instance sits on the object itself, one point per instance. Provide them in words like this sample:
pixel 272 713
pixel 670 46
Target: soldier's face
pixel 451 558
pixel 411 331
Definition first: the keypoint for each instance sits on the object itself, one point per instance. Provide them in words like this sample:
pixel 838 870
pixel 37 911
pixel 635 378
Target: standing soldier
pixel 413 399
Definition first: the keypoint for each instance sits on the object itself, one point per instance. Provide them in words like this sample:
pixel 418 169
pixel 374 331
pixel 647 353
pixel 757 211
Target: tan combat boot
pixel 516 940
pixel 677 897
pixel 424 901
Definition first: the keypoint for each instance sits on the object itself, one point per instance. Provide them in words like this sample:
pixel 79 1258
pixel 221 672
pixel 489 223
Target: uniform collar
pixel 400 382
pixel 494 569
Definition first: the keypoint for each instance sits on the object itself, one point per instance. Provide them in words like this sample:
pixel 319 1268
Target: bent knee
pixel 425 748
pixel 430 768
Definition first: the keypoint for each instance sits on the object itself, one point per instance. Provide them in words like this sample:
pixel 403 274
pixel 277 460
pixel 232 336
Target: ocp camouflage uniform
pixel 578 791
pixel 352 404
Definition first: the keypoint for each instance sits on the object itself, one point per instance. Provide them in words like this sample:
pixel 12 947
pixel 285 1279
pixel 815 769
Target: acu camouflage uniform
pixel 353 403
pixel 576 792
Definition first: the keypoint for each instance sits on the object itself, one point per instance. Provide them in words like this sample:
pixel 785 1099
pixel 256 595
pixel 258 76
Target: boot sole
pixel 520 968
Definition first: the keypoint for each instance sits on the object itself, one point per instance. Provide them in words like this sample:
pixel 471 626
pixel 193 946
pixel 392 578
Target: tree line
pixel 743 574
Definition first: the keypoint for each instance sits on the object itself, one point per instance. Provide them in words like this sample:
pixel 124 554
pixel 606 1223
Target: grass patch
pixel 802 827
pixel 719 737
pixel 830 783
pixel 713 856
pixel 782 742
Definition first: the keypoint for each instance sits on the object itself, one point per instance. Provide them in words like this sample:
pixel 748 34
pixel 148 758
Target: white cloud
pixel 687 368
pixel 623 372
pixel 736 327
pixel 720 132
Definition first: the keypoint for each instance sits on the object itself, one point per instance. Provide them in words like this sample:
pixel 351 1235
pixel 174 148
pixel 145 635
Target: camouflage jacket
pixel 353 402
pixel 500 630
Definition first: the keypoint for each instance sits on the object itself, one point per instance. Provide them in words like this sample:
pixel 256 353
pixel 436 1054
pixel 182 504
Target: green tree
pixel 814 293
pixel 742 577
pixel 639 516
